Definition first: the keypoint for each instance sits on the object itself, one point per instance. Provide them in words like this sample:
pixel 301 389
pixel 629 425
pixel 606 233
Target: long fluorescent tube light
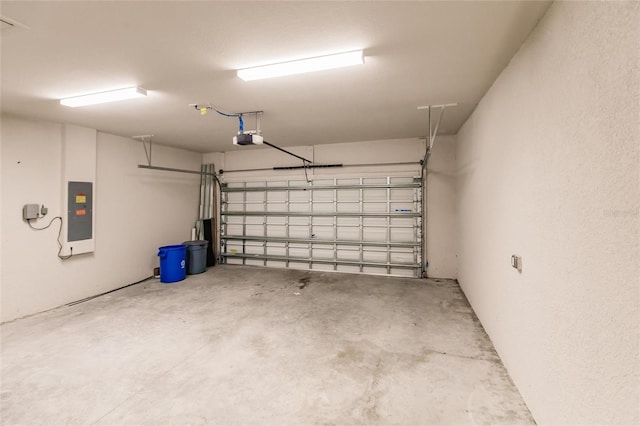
pixel 300 66
pixel 104 97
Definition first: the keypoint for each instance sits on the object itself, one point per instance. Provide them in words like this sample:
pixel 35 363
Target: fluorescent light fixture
pixel 104 97
pixel 300 66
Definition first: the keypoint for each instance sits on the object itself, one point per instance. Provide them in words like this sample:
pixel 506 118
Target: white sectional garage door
pixel 369 224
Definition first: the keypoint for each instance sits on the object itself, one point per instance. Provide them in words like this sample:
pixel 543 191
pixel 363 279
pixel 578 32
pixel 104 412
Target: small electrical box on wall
pixel 80 211
pixel 516 262
pixel 30 211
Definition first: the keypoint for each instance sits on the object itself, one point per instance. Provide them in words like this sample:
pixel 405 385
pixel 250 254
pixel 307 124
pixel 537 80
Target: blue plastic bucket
pixel 172 263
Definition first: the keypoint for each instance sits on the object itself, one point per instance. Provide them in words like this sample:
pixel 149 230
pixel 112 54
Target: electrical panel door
pixel 80 211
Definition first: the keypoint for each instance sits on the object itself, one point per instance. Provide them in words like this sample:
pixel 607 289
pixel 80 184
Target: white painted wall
pixel 137 211
pixel 548 169
pixel 441 231
pixel 79 145
pixel 442 234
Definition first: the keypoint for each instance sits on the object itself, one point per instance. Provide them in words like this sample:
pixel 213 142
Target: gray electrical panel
pixel 80 211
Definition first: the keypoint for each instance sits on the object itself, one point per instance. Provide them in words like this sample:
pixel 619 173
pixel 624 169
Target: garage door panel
pixel 323 196
pixel 235 206
pixel 348 234
pixel 255 196
pixel 349 254
pixel 407 222
pixel 277 207
pixel 404 207
pixel 362 224
pixel 255 230
pixel 348 207
pixel 323 232
pixel 402 235
pixel 252 248
pixel 402 272
pixel 402 256
pixel 299 231
pixel 254 220
pixel 235 197
pixel 276 264
pixel 374 270
pixel 402 180
pixel 347 195
pixel 298 265
pixel 299 220
pixel 235 220
pixel 322 253
pixel 274 249
pixel 277 196
pixel 374 180
pixel 299 252
pixel 323 207
pixel 401 194
pixel 322 267
pixel 258 207
pixel 378 235
pixel 277 220
pixel 322 221
pixel 374 194
pixel 374 256
pixel 348 221
pixel 235 247
pixel 235 229
pixel 299 196
pixel 343 181
pixel 374 207
pixel 279 231
pixel 374 221
pixel 348 268
pixel 299 207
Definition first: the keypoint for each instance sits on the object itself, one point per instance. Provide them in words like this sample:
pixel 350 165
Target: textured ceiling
pixel 416 53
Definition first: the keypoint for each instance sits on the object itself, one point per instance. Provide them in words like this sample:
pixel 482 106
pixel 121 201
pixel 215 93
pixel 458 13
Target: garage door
pixel 369 224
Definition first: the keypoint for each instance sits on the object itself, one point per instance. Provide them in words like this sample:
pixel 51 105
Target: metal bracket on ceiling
pixel 258 115
pixel 433 131
pixel 204 108
pixel 142 139
pixel 258 131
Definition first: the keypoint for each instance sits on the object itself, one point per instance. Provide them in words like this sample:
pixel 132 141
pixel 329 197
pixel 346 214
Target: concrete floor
pixel 245 345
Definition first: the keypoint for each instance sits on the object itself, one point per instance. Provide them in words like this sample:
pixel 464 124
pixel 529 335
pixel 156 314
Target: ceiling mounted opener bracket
pixel 258 115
